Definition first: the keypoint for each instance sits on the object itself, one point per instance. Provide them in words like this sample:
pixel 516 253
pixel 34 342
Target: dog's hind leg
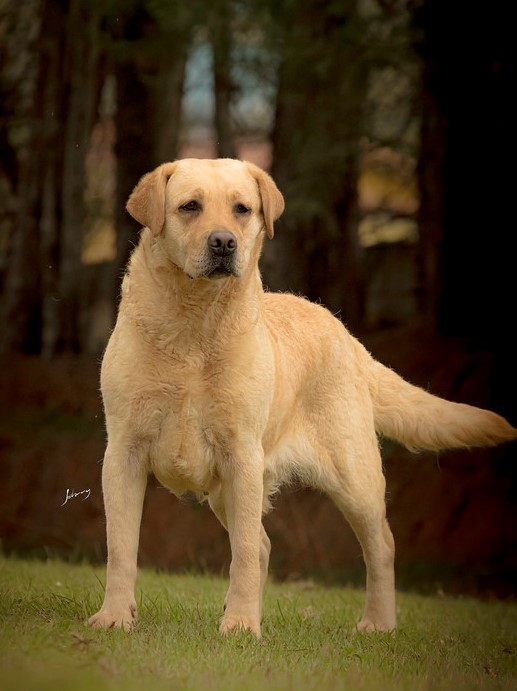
pixel 358 490
pixel 265 551
pixel 378 547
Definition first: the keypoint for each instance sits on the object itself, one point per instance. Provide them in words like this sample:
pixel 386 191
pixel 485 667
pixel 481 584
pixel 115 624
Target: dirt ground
pixel 453 515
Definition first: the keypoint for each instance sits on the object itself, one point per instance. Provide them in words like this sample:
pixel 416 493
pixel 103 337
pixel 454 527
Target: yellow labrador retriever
pixel 224 390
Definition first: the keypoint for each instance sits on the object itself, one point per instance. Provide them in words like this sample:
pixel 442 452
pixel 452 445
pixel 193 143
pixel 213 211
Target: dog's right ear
pixel 147 201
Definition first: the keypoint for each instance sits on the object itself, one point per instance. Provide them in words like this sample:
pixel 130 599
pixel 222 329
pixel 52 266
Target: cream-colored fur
pixel 219 388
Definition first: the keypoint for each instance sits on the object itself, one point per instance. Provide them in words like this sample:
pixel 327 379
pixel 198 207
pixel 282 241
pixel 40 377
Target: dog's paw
pixel 369 626
pixel 111 618
pixel 230 624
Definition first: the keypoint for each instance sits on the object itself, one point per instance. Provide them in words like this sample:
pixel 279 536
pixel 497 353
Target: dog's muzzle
pixel 222 247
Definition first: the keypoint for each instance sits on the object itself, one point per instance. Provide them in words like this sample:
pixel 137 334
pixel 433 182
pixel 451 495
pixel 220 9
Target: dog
pixel 222 389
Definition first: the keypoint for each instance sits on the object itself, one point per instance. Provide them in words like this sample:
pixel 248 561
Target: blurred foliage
pixel 327 84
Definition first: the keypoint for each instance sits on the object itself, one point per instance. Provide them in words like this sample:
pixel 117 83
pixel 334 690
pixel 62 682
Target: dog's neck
pixel 180 315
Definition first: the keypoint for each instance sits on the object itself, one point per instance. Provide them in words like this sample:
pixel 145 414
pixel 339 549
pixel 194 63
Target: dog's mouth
pixel 220 272
pixel 221 267
pixel 213 267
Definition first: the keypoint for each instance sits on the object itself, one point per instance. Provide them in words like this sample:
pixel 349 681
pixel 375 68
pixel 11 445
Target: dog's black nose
pixel 222 243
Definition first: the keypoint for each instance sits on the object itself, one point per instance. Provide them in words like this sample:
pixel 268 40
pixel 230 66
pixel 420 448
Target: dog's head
pixel 208 215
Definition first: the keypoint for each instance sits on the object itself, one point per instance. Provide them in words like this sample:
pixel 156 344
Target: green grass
pixel 308 640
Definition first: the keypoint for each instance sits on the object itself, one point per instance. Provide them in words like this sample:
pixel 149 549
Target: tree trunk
pixel 148 115
pixel 134 151
pixel 221 40
pixel 430 216
pixel 51 111
pixel 315 163
pixel 82 61
pixel 22 309
pixel 167 99
pixel 43 284
pixel 282 263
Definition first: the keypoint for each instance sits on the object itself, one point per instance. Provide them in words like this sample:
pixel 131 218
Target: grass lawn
pixel 308 640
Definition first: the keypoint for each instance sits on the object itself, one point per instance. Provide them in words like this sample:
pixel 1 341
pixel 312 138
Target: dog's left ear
pixel 147 201
pixel 272 199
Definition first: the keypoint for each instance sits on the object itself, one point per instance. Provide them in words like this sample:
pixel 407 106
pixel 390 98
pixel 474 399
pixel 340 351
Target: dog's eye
pixel 190 206
pixel 241 209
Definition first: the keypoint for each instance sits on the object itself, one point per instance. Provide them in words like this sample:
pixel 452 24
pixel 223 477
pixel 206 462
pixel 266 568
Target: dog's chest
pixel 185 433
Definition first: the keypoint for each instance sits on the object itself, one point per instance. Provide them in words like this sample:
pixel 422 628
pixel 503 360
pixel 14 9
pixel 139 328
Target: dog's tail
pixel 420 420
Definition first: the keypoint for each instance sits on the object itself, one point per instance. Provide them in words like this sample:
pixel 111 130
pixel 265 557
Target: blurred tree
pixel 326 55
pixel 62 328
pixel 467 172
pixel 18 27
pixel 42 287
pixel 8 92
pixel 325 52
pixel 134 133
pixel 148 49
pixel 220 22
pixel 315 152
pixel 72 47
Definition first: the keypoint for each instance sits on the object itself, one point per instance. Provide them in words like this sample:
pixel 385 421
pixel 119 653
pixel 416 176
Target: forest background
pixel 387 124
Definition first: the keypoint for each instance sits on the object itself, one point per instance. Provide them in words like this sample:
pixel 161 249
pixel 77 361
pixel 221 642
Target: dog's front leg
pixel 123 482
pixel 241 491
